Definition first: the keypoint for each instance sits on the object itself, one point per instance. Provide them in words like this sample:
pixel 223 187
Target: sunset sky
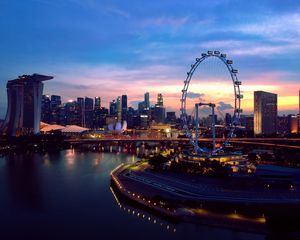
pixel 109 48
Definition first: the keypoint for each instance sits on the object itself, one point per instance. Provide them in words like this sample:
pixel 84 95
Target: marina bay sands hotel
pixel 24 96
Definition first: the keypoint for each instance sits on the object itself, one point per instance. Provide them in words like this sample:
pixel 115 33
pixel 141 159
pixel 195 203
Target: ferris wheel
pixel 237 96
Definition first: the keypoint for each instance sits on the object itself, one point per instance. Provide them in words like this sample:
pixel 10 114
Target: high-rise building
pixel 55 106
pixel 88 112
pixel 147 100
pixel 80 111
pixel 160 101
pixel 113 108
pixel 71 113
pixel 159 111
pixel 97 103
pixel 119 109
pixel 46 109
pixel 124 108
pixel 265 113
pixel 141 107
pixel 24 105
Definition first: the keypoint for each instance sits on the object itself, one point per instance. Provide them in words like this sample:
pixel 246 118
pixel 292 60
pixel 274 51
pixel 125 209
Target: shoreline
pixel 189 211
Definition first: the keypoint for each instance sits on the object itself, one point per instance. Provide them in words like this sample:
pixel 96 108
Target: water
pixel 66 195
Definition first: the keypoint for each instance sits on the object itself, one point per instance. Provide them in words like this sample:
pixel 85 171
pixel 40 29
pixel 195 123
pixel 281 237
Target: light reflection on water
pixel 65 195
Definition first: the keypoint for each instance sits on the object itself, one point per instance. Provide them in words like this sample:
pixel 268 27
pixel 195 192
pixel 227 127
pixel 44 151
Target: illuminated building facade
pixel 265 113
pixel 119 109
pixel 159 111
pixel 24 105
pixel 97 103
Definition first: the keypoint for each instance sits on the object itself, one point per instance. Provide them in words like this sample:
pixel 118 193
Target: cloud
pixel 166 21
pixel 116 11
pixel 277 27
pixel 224 106
pixel 193 95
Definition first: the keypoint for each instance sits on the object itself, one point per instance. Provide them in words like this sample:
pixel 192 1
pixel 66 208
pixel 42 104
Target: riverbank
pixel 197 202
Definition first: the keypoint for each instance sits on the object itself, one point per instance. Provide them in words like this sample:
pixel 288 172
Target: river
pixel 67 195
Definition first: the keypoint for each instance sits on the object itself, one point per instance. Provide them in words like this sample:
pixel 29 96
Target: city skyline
pixel 136 48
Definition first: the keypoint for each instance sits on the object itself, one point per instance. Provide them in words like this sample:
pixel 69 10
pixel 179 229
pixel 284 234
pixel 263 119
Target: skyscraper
pixel 160 101
pixel 97 103
pixel 159 110
pixel 265 112
pixel 46 109
pixel 147 100
pixel 80 111
pixel 24 105
pixel 124 108
pixel 119 109
pixel 55 106
pixel 71 113
pixel 113 108
pixel 88 112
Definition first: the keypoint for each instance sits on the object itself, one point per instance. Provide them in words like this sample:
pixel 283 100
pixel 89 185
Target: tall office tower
pixel 265 112
pixel 159 111
pixel 55 106
pixel 80 111
pixel 24 105
pixel 141 107
pixel 160 101
pixel 88 112
pixel 124 108
pixel 46 109
pixel 97 103
pixel 119 109
pixel 159 114
pixel 71 113
pixel 113 108
pixel 147 100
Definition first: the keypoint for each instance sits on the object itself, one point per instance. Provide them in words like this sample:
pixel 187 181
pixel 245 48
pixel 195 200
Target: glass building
pixel 265 113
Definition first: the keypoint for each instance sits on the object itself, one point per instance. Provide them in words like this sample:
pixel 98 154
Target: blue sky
pixel 109 48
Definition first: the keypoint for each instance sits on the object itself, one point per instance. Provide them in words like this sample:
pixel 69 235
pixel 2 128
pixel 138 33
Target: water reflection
pixel 23 180
pixel 143 215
